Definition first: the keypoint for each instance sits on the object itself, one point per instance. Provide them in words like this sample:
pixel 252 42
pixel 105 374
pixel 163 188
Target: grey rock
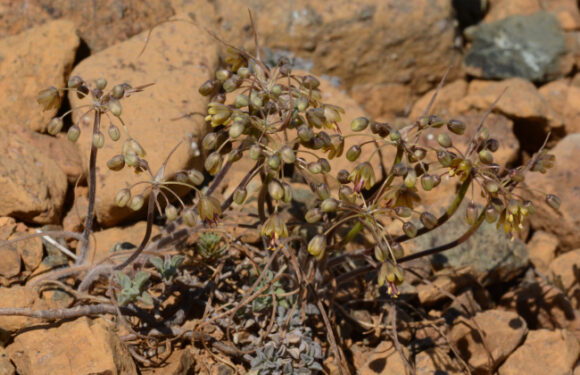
pixel 517 46
pixel 491 254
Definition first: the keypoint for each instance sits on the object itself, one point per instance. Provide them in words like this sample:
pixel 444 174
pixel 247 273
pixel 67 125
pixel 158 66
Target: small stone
pixel 383 100
pixel 448 94
pixel 564 272
pixel 6 367
pixel 119 239
pixel 384 360
pixel 543 352
pixel 435 361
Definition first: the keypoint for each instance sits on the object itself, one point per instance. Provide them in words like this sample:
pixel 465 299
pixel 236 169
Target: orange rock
pixel 385 359
pixel 543 352
pixel 561 180
pixel 435 361
pixel 30 62
pixel 387 100
pixel 110 240
pixel 564 272
pixel 499 9
pixel 33 190
pixel 178 59
pixel 83 346
pixel 448 94
pixel 542 248
pixel 502 332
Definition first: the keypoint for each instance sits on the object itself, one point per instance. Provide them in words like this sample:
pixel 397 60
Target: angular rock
pixel 384 360
pixel 115 239
pixel 30 250
pixel 80 347
pixel 30 62
pixel 6 367
pixel 387 100
pixel 448 94
pixel 566 11
pixel 178 58
pixel 63 152
pixel 502 332
pixel 532 47
pixel 565 273
pixel 564 97
pixel 436 361
pixel 16 296
pixel 562 180
pixel 361 41
pixel 109 23
pixel 491 254
pixel 543 352
pixel 74 220
pixel 521 101
pixel 443 283
pixel 542 248
pixel 33 190
pixel 500 9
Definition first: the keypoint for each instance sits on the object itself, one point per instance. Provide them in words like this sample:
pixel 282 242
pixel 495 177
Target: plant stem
pixel 85 242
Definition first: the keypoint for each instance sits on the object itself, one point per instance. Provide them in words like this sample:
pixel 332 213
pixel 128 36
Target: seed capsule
pixel 353 152
pixel 456 126
pixel 136 202
pixel 114 133
pixel 359 124
pixel 410 229
pixel 313 215
pixel 54 126
pixel 329 205
pixel 240 195
pixel 122 197
pixel 317 245
pixel 73 133
pixel 428 220
pixel 116 163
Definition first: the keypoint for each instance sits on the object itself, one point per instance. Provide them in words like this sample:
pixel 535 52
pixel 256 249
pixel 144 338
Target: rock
pixel 16 296
pixel 74 220
pixel 79 347
pixel 448 94
pixel 565 273
pixel 385 359
pixel 532 47
pixel 566 11
pixel 386 100
pixel 63 152
pixel 99 27
pixel 491 254
pixel 178 59
pixel 542 249
pixel 542 306
pixel 500 9
pixel 32 189
pixel 564 98
pixel 6 367
pixel 30 62
pixel 443 283
pixel 488 338
pixel 543 352
pixel 436 361
pixel 562 180
pixel 360 42
pixel 10 265
pixel 30 250
pixel 119 239
pixel 521 102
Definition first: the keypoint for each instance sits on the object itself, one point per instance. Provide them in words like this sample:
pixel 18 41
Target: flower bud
pixel 122 197
pixel 324 164
pixel 114 133
pixel 213 163
pixel 342 176
pixel 359 124
pixel 553 201
pixel 208 87
pixel 483 135
pixel 255 152
pixel 73 133
pixel 399 169
pixel 101 83
pixel 171 212
pixel 346 194
pixel 54 126
pixel 428 220
pixel 74 82
pixel 131 158
pixel 323 191
pixel 98 140
pixel 301 103
pixel 353 152
pixel 276 190
pixel 456 126
pixel 403 211
pixel 410 179
pixel 427 182
pixel 287 192
pixel 491 186
pixel 380 255
pixel 492 144
pixel 471 213
pixel 195 176
pixel 222 74
pixel 135 146
pixel 118 91
pixel 305 133
pixel 394 135
pixel 236 129
pixel 136 202
pixel 287 154
pixel 445 158
pixel 397 249
pixel 317 245
pixel 444 140
pixel 485 156
pixel 310 82
pixel 49 98
pixel 231 84
pixel 240 195
pixel 116 163
pixel 189 218
pixel 241 101
pixel 410 229
pixel 491 214
pixel 329 205
pixel 315 167
pixel 313 215
pixel 274 161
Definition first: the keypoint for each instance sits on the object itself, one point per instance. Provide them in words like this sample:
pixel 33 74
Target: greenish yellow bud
pixel 236 129
pixel 471 213
pixel 491 187
pixel 427 182
pixel 428 220
pixel 444 140
pixel 353 152
pixel 410 229
pixel 74 82
pixel 313 215
pixel 213 163
pixel 122 197
pixel 255 152
pixel 240 195
pixel 287 192
pixel 394 135
pixel 403 211
pixel 323 191
pixel 346 194
pixel 329 205
pixel 114 133
pixel 98 140
pixel 116 163
pixel 410 179
pixel 553 201
pixel 491 214
pixel 136 202
pixel 317 246
pixel 315 167
pixel 485 156
pixel 276 190
pixel 222 74
pixel 305 133
pixel 241 101
pixel 274 161
pixel 445 158
pixel 118 91
pixel 195 176
pixel 287 154
pixel 101 83
pixel 456 126
pixel 189 218
pixel 54 126
pixel 171 212
pixel 310 82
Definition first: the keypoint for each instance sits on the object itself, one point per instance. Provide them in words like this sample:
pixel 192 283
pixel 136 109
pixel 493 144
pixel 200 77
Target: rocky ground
pixel 490 306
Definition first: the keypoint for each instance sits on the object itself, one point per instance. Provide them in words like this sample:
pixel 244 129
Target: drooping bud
pixel 114 133
pixel 410 179
pixel 195 176
pixel 403 211
pixel 427 182
pixel 444 140
pixel 74 82
pixel 553 201
pixel 329 205
pixel 485 156
pixel 491 214
pixel 122 197
pixel 313 215
pixel 274 161
pixel 287 154
pixel 136 202
pixel 323 191
pixel 73 133
pixel 317 246
pixel 98 140
pixel 353 152
pixel 213 163
pixel 240 195
pixel 115 107
pixel 471 213
pixel 101 83
pixel 428 220
pixel 116 163
pixel 171 212
pixel 255 152
pixel 410 229
pixel 342 176
pixel 54 126
pixel 359 124
pixel 276 190
pixel 456 126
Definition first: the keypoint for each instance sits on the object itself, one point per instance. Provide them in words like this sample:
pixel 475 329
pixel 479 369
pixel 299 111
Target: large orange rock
pixel 178 58
pixel 30 62
pixel 80 347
